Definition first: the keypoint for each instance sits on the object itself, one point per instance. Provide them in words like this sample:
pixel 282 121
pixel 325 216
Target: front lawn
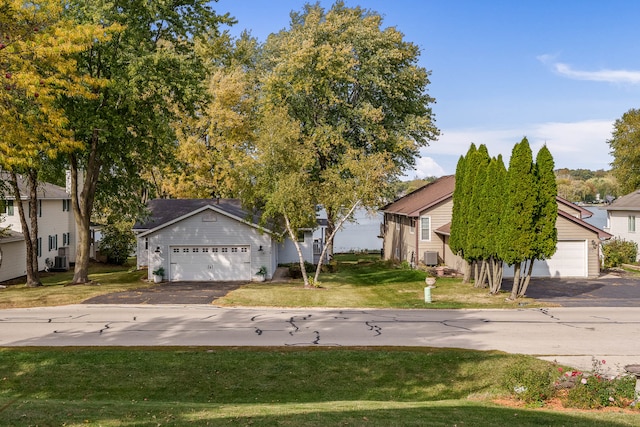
pixel 55 290
pixel 366 281
pixel 270 386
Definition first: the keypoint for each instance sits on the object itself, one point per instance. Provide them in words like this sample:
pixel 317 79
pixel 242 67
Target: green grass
pixel 55 290
pixel 365 281
pixel 267 386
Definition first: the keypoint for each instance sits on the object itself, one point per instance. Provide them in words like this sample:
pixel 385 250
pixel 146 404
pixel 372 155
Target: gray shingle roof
pixel 45 190
pixel 163 211
pixel 628 202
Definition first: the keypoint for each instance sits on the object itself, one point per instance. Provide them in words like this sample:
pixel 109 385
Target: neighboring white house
pixel 56 231
pixel 211 240
pixel 623 216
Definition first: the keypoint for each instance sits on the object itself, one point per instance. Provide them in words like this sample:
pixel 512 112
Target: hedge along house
pixel 416 228
pixel 211 240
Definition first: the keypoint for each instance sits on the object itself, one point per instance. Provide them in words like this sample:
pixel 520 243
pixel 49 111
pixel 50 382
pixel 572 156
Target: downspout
pixel 417 240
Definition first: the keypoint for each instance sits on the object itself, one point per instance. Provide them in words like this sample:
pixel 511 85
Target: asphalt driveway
pixel 170 293
pixel 606 291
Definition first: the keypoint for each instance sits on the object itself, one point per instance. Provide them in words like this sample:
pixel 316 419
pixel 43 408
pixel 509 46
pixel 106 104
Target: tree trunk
pixel 82 202
pixel 330 231
pixel 467 273
pixel 328 247
pixel 294 239
pixel 516 281
pixel 30 232
pixel 525 281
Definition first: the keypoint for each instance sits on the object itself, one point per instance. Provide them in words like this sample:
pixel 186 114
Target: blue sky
pixel 558 72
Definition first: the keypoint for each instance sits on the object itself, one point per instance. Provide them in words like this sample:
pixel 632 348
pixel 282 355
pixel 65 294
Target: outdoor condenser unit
pixel 430 258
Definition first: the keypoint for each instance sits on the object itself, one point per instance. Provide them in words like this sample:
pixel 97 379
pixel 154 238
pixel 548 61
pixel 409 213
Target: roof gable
pixel 601 233
pixel 628 202
pixel 423 198
pixel 166 212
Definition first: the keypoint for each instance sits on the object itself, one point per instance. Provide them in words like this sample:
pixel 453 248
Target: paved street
pixel 569 335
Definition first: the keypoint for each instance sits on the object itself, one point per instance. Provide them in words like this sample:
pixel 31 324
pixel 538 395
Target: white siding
pixel 197 231
pixel 52 222
pixel 287 252
pixel 618 222
pixel 14 260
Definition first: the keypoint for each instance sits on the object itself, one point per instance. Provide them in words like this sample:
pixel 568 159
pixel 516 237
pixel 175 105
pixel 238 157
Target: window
pixel 7 207
pixel 195 250
pixel 205 250
pixel 146 243
pixel 425 228
pixel 412 225
pixel 53 242
pixel 243 250
pixel 214 250
pixel 176 250
pixel 224 250
pixel 66 239
pixel 300 236
pixel 39 246
pixel 66 205
pixel 234 250
pixel 40 210
pixel 185 250
pixel 632 223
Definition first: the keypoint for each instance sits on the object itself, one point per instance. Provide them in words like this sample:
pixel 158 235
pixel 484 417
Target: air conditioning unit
pixel 430 258
pixel 60 263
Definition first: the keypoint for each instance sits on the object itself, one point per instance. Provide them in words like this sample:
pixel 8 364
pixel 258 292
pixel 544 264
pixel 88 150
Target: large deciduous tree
pixel 152 71
pixel 37 44
pixel 625 148
pixel 355 92
pixel 216 144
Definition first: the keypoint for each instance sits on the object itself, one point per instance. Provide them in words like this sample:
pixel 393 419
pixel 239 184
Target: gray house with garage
pixel 212 240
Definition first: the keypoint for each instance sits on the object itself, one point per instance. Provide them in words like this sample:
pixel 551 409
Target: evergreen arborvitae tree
pixel 518 231
pixel 457 226
pixel 493 190
pixel 547 234
pixel 461 208
pixel 475 251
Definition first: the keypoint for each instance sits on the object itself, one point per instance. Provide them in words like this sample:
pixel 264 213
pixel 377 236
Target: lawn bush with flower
pixel 597 390
pixel 537 384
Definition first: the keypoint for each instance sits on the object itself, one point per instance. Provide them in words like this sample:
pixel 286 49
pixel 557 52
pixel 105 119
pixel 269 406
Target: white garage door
pixel 205 263
pixel 570 260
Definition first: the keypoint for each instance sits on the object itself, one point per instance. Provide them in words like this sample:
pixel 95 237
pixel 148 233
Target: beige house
pixel 416 229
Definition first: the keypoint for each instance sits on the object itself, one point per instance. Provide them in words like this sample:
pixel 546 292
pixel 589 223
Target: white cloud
pixel 426 167
pixel 605 75
pixel 575 145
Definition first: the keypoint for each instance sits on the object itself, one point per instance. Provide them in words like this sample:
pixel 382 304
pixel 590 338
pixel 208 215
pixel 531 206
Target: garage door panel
pixel 210 263
pixel 570 260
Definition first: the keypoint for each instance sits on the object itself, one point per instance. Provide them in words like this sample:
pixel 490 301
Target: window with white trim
pixel 632 223
pixel 425 228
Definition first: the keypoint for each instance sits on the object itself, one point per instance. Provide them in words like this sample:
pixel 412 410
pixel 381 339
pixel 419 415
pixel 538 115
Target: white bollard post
pixel 427 294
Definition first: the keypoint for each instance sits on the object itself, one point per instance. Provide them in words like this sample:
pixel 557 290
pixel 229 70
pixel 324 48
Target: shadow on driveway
pixel 605 291
pixel 170 293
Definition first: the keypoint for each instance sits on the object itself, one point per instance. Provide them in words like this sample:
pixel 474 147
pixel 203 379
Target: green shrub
pixel 619 251
pixel 296 273
pixel 530 382
pixel 117 243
